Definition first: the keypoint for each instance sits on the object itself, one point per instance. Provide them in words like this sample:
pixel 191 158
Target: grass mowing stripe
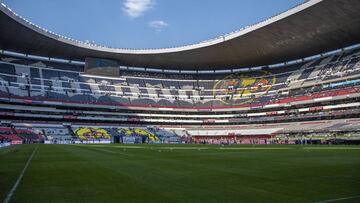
pixel 255 148
pixel 107 151
pixel 114 173
pixel 331 148
pixel 339 199
pixel 119 167
pixel 112 152
pixel 101 149
pixel 6 150
pixel 13 189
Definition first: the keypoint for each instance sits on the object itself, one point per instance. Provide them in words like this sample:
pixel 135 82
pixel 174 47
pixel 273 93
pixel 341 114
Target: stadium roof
pixel 313 27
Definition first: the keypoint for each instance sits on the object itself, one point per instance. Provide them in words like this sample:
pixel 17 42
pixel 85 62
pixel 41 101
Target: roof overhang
pixel 314 27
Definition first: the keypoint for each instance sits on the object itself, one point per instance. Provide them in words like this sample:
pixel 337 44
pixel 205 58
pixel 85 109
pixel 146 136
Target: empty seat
pixel 7 69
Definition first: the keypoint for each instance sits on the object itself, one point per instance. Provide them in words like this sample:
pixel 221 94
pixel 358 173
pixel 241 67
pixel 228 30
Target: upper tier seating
pixel 256 87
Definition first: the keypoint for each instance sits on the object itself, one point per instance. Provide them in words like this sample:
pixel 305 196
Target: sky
pixel 146 23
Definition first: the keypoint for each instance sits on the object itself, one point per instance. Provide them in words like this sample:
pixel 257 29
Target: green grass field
pixel 176 173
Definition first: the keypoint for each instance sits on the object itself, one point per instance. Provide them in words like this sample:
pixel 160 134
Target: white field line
pixel 13 189
pixel 338 199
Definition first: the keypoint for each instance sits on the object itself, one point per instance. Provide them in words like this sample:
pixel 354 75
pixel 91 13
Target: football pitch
pixel 179 173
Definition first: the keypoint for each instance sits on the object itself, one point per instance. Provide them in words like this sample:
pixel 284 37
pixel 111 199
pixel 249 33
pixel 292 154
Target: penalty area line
pixel 338 199
pixel 13 189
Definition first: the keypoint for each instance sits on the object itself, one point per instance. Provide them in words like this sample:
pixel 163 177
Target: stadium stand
pixel 51 100
pixel 221 92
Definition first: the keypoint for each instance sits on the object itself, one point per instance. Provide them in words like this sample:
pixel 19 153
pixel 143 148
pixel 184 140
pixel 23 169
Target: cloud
pixel 136 8
pixel 158 25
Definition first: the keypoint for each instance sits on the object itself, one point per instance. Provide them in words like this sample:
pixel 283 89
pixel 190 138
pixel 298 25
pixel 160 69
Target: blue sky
pixel 146 23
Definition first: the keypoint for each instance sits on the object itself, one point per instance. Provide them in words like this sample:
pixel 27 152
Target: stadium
pixel 267 113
